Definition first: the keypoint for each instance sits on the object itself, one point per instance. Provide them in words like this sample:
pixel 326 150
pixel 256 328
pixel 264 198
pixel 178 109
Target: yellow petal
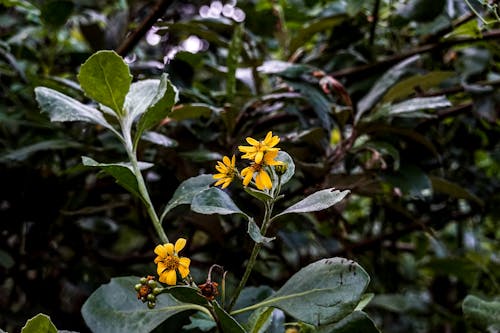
pixel 246 149
pixel 233 161
pixel 161 268
pixel 169 247
pixel 158 259
pixel 262 180
pixel 252 141
pixel 170 277
pixel 226 160
pixel 161 250
pixel 226 183
pixel 219 175
pixel 259 156
pixel 184 266
pixel 247 174
pixel 273 141
pixel 179 244
pixel 268 137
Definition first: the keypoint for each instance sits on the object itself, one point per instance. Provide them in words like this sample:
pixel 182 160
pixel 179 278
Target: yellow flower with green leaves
pixel 262 178
pixel 169 262
pixel 257 149
pixel 227 171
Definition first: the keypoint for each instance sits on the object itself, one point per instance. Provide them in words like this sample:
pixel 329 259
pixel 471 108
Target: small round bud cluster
pixel 147 290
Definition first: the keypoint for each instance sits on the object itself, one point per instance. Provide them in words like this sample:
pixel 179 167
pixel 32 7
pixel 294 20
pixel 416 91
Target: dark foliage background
pixel 330 78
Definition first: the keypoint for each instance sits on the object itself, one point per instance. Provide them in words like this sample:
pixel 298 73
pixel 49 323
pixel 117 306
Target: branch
pixel 385 62
pixel 134 38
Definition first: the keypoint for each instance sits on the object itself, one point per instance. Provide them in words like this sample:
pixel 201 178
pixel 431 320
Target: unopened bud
pixel 281 169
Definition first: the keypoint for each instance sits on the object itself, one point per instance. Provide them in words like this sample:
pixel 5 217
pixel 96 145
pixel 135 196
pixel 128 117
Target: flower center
pixel 171 263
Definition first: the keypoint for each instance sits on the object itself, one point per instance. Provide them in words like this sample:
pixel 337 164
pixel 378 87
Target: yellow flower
pixel 258 148
pixel 262 179
pixel 169 263
pixel 227 171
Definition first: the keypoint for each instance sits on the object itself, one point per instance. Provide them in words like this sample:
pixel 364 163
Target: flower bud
pixel 151 298
pixel 157 290
pixel 152 284
pixel 151 305
pixel 137 287
pixel 281 169
pixel 143 280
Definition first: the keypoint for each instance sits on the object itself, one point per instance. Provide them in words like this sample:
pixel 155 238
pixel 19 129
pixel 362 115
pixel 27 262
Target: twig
pixel 363 69
pixel 134 38
pixel 373 27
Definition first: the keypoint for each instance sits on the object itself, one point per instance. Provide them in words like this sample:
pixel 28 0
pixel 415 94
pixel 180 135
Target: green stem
pixel 143 191
pixel 255 252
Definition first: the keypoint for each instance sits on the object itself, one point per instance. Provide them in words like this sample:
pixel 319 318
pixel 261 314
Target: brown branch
pixel 385 62
pixel 134 38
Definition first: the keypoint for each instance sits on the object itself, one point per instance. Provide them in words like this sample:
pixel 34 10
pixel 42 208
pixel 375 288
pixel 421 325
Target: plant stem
pixel 143 191
pixel 255 252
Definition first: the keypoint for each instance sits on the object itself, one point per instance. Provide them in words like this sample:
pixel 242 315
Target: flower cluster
pixel 262 155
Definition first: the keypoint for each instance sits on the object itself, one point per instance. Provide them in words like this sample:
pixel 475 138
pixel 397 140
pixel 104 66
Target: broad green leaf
pixel 442 185
pixel 403 303
pixel 201 321
pixel 193 111
pixel 227 323
pixel 106 78
pixel 357 321
pixel 186 191
pixel 254 232
pixel 55 13
pixel 214 201
pixel 411 180
pixel 122 173
pixel 24 153
pixel 307 31
pixel 159 139
pixel 319 200
pixel 266 320
pixel 161 105
pixel 290 166
pixel 40 323
pixel 481 314
pixel 114 307
pixel 321 293
pixel 258 194
pixel 186 294
pixel 365 299
pixel 383 84
pixel 419 103
pixel 317 99
pixel 64 108
pixel 233 61
pixel 139 97
pixel 406 87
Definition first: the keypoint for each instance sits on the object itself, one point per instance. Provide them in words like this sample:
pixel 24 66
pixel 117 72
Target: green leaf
pixel 407 87
pixel 193 111
pixel 186 294
pixel 411 180
pixel 121 172
pixel 317 99
pixel 418 103
pixel 24 153
pixel 64 108
pixel 186 191
pixel 311 28
pixel 258 194
pixel 40 323
pixel 317 201
pixel 454 190
pixel 215 201
pixel 139 97
pixel 160 106
pixel 114 307
pixel 227 323
pixel 266 320
pixel 383 84
pixel 55 13
pixel 159 139
pixel 357 321
pixel 233 60
pixel 106 78
pixel 254 232
pixel 321 293
pixel 201 321
pixel 481 314
pixel 290 166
